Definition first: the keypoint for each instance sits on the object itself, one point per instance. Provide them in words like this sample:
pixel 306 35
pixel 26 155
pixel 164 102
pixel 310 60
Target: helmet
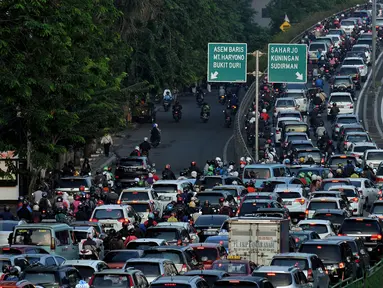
pixel 339 171
pixel 59 193
pixel 131 228
pixel 136 148
pixel 218 159
pixel 146 139
pixel 193 163
pixel 125 224
pixel 7 208
pixel 82 188
pixel 167 166
pixel 151 216
pixel 287 161
pixel 194 174
pixel 36 208
pixel 155 125
pixel 112 232
pixel 105 168
pixel 59 199
pixel 264 110
pixel 44 195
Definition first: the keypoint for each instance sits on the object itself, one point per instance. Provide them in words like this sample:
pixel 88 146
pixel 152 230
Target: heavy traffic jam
pixel 308 214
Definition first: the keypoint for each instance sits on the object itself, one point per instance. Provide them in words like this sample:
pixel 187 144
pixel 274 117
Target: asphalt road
pixel 185 141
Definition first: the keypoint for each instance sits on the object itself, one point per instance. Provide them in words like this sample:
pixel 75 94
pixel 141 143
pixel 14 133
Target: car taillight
pixel 357 258
pixel 361 67
pixel 296 240
pixel 131 282
pixel 93 220
pixel 326 71
pixel 376 237
pixel 275 110
pixel 355 199
pixel 380 192
pixel 116 176
pixel 351 106
pixel 307 212
pixel 118 201
pixel 179 243
pixel 184 268
pixel 340 234
pixel 300 200
pixel 341 265
pixel 322 161
pixel 309 273
pixel 277 132
pixel 123 220
pixel 345 142
pixel 91 280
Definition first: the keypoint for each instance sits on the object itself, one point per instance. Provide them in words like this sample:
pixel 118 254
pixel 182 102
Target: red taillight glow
pixel 376 237
pixel 93 220
pixel 300 200
pixel 355 199
pixel 341 265
pixel 184 268
pixel 122 220
pixel 307 212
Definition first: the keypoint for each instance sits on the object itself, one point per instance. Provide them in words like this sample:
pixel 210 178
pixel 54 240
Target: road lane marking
pixel 225 149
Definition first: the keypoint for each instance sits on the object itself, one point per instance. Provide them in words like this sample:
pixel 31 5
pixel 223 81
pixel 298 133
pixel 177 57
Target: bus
pixel 11 184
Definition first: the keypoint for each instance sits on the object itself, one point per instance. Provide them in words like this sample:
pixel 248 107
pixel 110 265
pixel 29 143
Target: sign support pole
pixel 256 105
pixel 374 39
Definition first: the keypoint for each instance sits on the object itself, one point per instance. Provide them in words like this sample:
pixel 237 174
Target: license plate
pixel 210 232
pixel 129 169
pixel 341 106
pixel 287 202
pixel 107 225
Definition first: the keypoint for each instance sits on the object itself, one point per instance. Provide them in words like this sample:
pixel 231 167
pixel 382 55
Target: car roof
pixel 255 279
pixel 323 241
pixel 152 260
pixel 340 94
pixel 132 157
pixel 112 206
pixel 278 269
pixel 47 268
pixel 175 279
pixel 286 98
pixel 294 255
pixel 165 247
pixel 206 272
pixel 316 221
pixel 115 271
pixel 80 262
pixel 353 58
pixel 342 186
pixel 207 245
pixel 179 181
pixel 371 144
pixel 137 189
pixel 148 240
pixel 301 142
pixel 324 199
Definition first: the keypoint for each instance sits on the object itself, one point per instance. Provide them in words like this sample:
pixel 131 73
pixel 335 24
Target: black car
pixel 282 213
pixel 370 229
pixel 250 207
pixel 209 225
pixel 335 216
pixel 172 234
pixel 243 281
pixel 64 276
pixel 303 236
pixel 211 276
pixel 343 84
pixel 210 181
pixel 336 256
pixel 354 73
pixel 215 197
pixel 129 168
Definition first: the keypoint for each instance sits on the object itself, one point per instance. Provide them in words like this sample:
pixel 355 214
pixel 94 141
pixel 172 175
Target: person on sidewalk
pixel 107 141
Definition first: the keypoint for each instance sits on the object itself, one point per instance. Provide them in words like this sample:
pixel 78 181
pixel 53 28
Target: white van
pixel 373 156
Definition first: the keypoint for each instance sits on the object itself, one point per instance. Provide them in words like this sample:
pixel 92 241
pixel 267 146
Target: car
pixel 130 168
pixel 362 258
pixel 300 96
pixel 327 39
pixel 348 128
pixel 243 281
pixel 314 153
pixel 314 48
pixel 44 259
pixel 325 203
pixel 6 228
pixel 343 84
pixel 344 102
pixel 358 148
pixel 22 249
pixel 169 189
pixel 14 260
pixel 71 185
pixel 214 198
pixel 337 160
pixel 327 193
pixel 342 119
pixel 185 225
pixel 310 264
pixel 347 26
pixel 318 171
pixel 353 137
pixel 286 180
pixel 294 199
pixel 183 257
pixel 299 235
pixel 339 32
pixel 62 275
pixel 354 73
pixel 18 284
pixel 235 190
pixel 336 39
pixel 357 62
pixel 87 267
pixel 142 195
pixel 372 157
pixel 174 235
pixel 289 114
pixel 359 54
pixel 249 207
pixel 284 103
pixel 209 252
pixel 211 276
pixel 370 191
pixel 235 266
pixel 116 259
pixel 327 183
pixel 368 42
pixel 291 136
pixel 365 49
pixel 222 238
pixel 145 243
pixel 279 126
pixel 112 216
pixel 294 126
pixel 209 225
pixel 370 228
pixel 298 144
pixel 336 216
pixel 152 267
pixel 81 232
pixel 119 278
pixel 336 256
pixel 353 195
pixel 283 276
pixel 324 228
pixel 179 281
pixel 262 195
pixel 377 209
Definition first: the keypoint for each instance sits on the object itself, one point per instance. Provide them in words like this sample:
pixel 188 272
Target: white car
pixel 357 62
pixel 347 25
pixel 324 203
pixel 337 40
pixel 313 49
pixel 285 104
pixel 145 243
pixel 290 114
pixel 278 127
pixel 377 209
pixel 293 199
pixel 365 48
pixel 167 190
pixel 343 101
pixel 87 267
pixel 372 157
pixel 355 137
pixel 355 198
pixel 324 228
pixel 369 190
pixel 142 194
pixel 357 149
pixel 112 216
pixel 300 98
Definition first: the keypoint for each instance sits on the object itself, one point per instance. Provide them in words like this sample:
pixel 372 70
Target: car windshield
pixel 365 41
pixel 40 278
pixel 319 228
pixel 256 173
pixel 120 256
pixel 327 253
pixel 357 138
pixel 317 46
pixel 342 81
pixel 289 195
pixel 347 192
pixel 358 49
pixel 340 99
pixel 360 225
pixel 101 214
pixel 296 138
pixel 111 280
pixel 149 269
pixel 333 218
pixel 165 188
pixel 348 71
pixel 377 208
pixel 162 233
pixel 85 271
pixel 134 195
pixel 290 114
pixel 335 32
pixel 230 267
pixel 295 95
pixel 131 162
pixel 213 198
pixel 80 235
pixel 322 205
pixel 210 220
pixel 317 157
pixel 252 207
pixel 72 183
pixel 140 207
pixel 33 236
pixel 301 145
pixel 206 254
pixel 353 62
pixel 175 256
pixel 347 23
pixel 277 279
pixel 285 103
pixel 300 263
pixel 336 161
pixel 353 129
pixel 140 245
pixel 347 120
pixel 375 156
pixel 295 128
pixel 361 149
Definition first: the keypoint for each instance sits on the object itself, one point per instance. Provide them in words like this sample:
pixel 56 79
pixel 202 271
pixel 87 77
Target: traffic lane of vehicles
pixel 201 140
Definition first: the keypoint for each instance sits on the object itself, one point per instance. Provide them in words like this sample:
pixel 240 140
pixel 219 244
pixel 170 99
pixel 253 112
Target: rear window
pixel 295 128
pixel 294 115
pixel 296 137
pixel 133 195
pixel 339 99
pixel 149 269
pixel 72 183
pixel 120 256
pixel 347 23
pixel 140 207
pixel 230 267
pixel 111 280
pixel 359 48
pixel 167 285
pixel 7 226
pixel 256 173
pixel 322 205
pixel 365 41
pixel 377 208
pixel 167 234
pixel 251 208
pixel 361 149
pixel 101 214
pixel 213 198
pixel 206 254
pixel 277 279
pixel 175 256
pixel 131 162
pixel 317 46
pixel 285 103
pixel 300 263
pixel 289 195
pixel 353 226
pixel 346 192
pixel 375 156
pixel 353 62
pixel 333 218
pixel 296 96
pixel 317 157
pixel 85 271
pixel 140 245
pixel 40 278
pixel 327 253
pixel 347 120
pixel 210 220
pixel 319 228
pixel 342 81
pixel 357 138
pixel 348 71
pixel 341 161
pixel 165 188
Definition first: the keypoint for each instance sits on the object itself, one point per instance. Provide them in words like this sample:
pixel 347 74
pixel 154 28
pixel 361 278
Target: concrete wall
pixel 258 5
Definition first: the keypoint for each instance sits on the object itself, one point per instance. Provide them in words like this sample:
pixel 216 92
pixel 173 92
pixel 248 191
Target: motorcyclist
pixel 7 215
pixel 36 214
pixel 177 107
pixel 24 212
pixel 145 146
pixel 205 108
pixel 167 95
pixel 310 160
pixel 334 111
pixel 329 149
pixel 98 179
pixel 319 83
pixel 234 100
pixel 194 167
pixel 37 194
pixel 89 241
pixel 116 242
pixel 349 168
pixel 75 204
pixel 264 115
pixel 320 97
pixel 13 274
pixel 167 173
pixel 60 216
pixel 226 209
pixel 81 214
pixel 150 222
pixel 44 203
pixel 206 208
pixel 112 196
pixel 124 231
pixel 136 152
pixel 155 133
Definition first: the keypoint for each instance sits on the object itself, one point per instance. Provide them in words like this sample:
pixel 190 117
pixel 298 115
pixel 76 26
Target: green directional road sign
pixel 227 62
pixel 287 63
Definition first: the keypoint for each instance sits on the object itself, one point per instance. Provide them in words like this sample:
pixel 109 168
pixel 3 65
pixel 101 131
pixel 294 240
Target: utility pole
pixel 374 39
pixel 257 74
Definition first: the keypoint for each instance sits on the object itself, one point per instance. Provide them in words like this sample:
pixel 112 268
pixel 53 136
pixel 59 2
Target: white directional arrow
pixel 214 75
pixel 299 76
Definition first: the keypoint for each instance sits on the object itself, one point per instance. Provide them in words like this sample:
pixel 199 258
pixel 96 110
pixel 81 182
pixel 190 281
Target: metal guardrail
pixel 240 144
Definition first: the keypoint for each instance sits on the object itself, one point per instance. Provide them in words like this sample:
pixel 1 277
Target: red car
pixel 209 252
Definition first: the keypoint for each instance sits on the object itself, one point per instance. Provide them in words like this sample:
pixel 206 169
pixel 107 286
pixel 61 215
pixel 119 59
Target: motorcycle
pixel 166 106
pixel 155 141
pixel 200 98
pixel 250 140
pixel 222 99
pixel 157 98
pixel 205 117
pixel 177 115
pixel 234 109
pixel 228 121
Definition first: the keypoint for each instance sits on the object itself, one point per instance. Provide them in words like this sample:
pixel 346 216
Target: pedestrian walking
pixel 107 141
